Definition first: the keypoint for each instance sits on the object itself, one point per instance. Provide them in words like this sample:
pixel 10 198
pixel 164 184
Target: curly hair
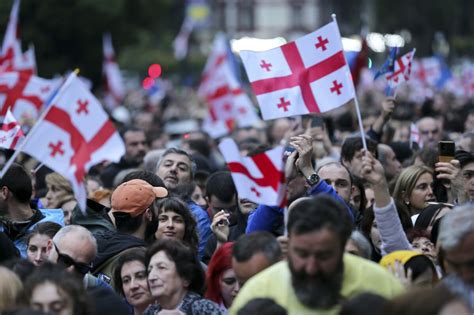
pixel 185 259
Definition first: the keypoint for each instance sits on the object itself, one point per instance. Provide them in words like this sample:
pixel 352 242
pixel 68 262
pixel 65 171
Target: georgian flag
pixel 10 133
pixel 309 75
pixel 229 105
pixel 114 89
pixel 74 135
pixel 24 94
pixel 259 178
pixel 401 70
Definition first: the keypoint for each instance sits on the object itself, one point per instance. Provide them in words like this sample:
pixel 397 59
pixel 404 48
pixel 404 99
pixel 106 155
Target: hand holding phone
pixel 446 151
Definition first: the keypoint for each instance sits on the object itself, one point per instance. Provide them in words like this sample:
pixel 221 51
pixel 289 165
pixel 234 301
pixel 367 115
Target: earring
pixel 407 203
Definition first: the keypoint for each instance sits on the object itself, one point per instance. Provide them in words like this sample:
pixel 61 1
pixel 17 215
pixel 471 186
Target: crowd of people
pixel 386 229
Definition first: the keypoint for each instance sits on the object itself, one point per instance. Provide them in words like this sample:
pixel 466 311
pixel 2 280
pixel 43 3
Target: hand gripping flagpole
pixel 41 118
pixel 359 118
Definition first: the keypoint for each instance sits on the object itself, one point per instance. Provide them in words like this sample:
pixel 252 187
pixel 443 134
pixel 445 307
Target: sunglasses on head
pixel 67 262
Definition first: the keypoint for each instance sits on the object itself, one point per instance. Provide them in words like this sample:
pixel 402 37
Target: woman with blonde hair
pixel 10 289
pixel 413 194
pixel 60 195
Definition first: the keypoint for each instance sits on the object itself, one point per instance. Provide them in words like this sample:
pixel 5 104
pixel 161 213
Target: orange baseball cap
pixel 135 196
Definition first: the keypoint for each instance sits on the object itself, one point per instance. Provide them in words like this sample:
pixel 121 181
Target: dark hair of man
pixel 354 144
pixel 247 245
pixel 359 183
pixel 149 177
pixel 221 185
pixel 176 205
pixel 464 157
pixel 364 303
pixel 262 306
pixel 130 129
pixel 18 181
pixel 186 260
pixel 44 228
pixel 418 265
pixel 199 145
pixel 64 281
pixel 127 224
pixel 135 254
pixel 317 213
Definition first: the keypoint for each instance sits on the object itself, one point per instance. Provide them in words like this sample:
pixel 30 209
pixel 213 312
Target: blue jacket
pixel 264 217
pixel 47 215
pixel 203 225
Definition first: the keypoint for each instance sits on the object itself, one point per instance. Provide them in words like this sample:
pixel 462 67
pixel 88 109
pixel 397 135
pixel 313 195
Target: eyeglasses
pixel 67 262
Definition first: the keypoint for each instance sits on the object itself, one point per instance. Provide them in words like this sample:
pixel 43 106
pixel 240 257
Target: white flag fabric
pixel 11 46
pixel 229 105
pixel 259 178
pixel 24 94
pixel 309 75
pixel 75 134
pixel 427 71
pixel 401 70
pixel 115 89
pixel 10 133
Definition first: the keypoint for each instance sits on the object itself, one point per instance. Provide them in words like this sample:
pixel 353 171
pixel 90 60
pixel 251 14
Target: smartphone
pixel 446 151
pixel 317 121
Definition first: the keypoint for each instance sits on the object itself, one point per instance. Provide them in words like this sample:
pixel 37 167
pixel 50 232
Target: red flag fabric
pixel 260 178
pixel 229 105
pixel 309 75
pixel 75 134
pixel 24 94
pixel 114 87
pixel 10 133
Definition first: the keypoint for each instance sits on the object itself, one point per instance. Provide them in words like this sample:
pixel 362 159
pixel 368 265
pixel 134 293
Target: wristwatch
pixel 312 179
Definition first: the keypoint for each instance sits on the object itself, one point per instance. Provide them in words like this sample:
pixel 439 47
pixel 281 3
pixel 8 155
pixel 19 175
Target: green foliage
pixel 67 34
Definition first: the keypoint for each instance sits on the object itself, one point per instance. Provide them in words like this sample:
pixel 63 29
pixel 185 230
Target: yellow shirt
pixel 360 275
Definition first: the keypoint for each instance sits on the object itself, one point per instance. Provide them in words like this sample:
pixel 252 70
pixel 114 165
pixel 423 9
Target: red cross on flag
pixel 114 89
pixel 309 75
pixel 11 47
pixel 10 133
pixel 259 178
pixel 24 94
pixel 75 134
pixel 401 70
pixel 229 105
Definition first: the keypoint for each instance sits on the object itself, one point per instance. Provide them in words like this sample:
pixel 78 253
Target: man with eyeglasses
pixel 75 249
pixel 456 243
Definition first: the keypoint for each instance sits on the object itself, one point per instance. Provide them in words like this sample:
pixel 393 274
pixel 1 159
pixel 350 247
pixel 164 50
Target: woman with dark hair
pixel 130 280
pixel 39 242
pixel 51 289
pixel 411 267
pixel 222 284
pixel 176 221
pixel 176 279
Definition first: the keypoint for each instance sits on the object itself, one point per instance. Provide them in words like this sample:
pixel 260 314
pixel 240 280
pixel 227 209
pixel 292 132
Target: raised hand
pixel 304 147
pixel 372 169
pixel 220 226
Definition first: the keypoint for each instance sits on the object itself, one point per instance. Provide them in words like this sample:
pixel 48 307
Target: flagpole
pixel 35 127
pixel 359 117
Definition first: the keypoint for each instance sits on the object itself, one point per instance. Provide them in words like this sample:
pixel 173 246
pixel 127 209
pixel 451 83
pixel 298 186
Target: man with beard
pixel 318 275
